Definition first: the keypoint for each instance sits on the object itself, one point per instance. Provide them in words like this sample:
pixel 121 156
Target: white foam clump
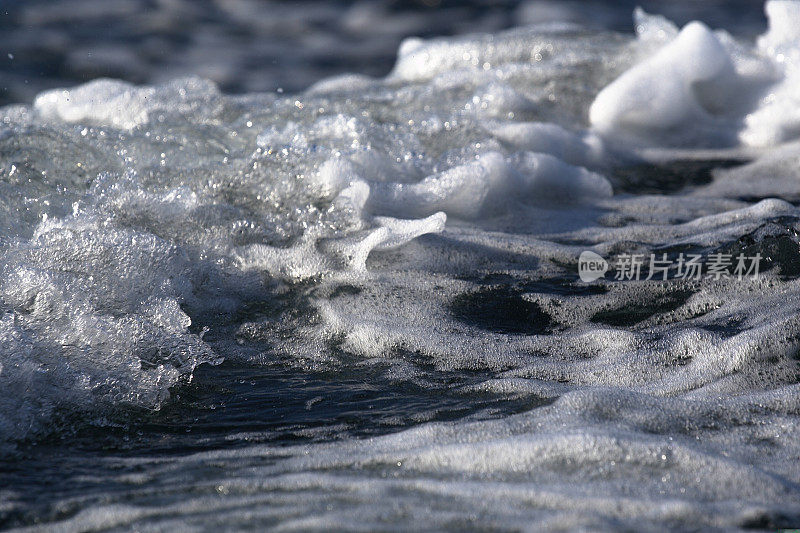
pixel 345 255
pixel 783 34
pixel 653 28
pixel 123 105
pixel 485 186
pixel 586 149
pixel 777 119
pixel 703 88
pixel 315 254
pixel 690 82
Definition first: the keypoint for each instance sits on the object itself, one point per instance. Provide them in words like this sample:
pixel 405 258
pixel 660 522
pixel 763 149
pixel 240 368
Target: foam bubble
pixel 689 81
pixel 123 105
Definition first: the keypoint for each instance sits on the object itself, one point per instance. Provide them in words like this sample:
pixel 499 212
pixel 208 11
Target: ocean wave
pixel 431 222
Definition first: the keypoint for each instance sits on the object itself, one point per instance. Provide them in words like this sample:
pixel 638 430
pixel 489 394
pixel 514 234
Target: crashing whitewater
pixel 422 225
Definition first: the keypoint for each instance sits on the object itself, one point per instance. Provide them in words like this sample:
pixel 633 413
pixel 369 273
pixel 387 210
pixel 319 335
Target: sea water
pixel 359 306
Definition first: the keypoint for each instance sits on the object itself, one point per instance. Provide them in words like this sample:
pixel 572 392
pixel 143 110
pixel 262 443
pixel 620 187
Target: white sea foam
pixel 427 225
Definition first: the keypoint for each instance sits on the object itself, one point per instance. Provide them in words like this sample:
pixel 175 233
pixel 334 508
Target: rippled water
pixel 358 306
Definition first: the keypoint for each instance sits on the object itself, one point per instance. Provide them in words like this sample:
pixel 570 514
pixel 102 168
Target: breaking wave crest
pixel 428 224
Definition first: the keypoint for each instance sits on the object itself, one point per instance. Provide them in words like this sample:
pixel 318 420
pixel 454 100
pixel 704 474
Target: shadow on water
pixel 226 407
pixel 654 178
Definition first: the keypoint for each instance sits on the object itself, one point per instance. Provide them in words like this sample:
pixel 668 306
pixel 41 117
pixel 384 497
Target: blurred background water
pixel 260 45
